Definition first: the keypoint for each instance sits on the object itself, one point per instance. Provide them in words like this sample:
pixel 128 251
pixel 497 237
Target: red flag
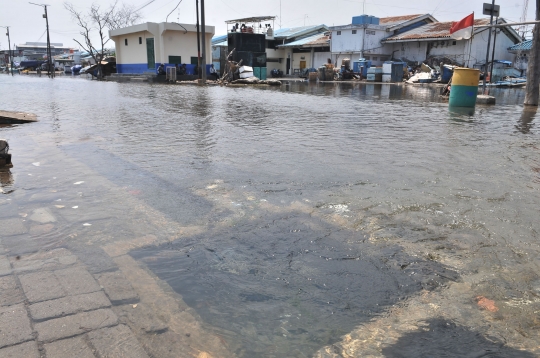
pixel 462 29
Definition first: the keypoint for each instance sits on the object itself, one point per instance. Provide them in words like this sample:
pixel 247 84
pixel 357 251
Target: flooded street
pixel 308 220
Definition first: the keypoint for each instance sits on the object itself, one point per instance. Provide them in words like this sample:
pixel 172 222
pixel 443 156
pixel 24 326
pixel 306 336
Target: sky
pixel 27 24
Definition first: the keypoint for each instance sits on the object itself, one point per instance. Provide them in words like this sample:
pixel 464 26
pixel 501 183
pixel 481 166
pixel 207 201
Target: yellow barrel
pixel 464 87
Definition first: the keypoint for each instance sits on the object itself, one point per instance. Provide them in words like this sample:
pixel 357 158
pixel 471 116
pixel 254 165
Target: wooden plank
pixel 7 117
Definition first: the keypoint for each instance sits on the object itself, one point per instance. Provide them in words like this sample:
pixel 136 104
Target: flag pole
pixel 470 44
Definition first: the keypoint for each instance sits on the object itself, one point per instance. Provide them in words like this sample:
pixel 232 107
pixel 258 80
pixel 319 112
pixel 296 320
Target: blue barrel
pixel 446 74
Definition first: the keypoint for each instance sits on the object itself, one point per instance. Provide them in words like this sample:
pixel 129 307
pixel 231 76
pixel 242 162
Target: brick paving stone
pixel 5 267
pixel 12 227
pixel 118 288
pixel 75 347
pixel 25 350
pixel 95 258
pixel 74 325
pixel 116 342
pixel 68 305
pixel 10 293
pixel 43 216
pixel 41 286
pixel 14 325
pixel 77 280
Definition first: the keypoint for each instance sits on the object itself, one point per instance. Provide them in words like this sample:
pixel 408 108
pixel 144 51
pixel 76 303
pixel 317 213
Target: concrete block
pixel 77 280
pixel 118 288
pixel 25 350
pixel 41 286
pixel 485 99
pixel 43 216
pixel 68 305
pixel 116 342
pixel 10 293
pixel 14 325
pixel 69 348
pixel 74 325
pixel 12 227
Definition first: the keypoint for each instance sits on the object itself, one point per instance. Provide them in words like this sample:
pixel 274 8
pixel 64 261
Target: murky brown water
pixel 355 217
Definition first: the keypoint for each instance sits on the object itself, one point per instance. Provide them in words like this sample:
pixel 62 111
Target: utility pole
pixel 203 30
pixel 50 62
pixel 9 49
pixel 488 44
pixel 493 52
pixel 532 89
pixel 198 42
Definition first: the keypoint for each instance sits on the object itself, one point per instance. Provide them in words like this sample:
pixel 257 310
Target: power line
pixel 145 5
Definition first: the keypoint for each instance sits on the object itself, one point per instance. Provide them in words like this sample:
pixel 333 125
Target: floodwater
pixel 305 220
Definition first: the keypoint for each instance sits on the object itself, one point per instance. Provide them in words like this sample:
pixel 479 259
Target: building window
pixel 175 60
pixel 194 60
pixel 140 40
pixel 374 58
pixel 453 42
pixel 338 33
pixel 125 42
pixel 354 32
pixel 366 58
pixel 370 32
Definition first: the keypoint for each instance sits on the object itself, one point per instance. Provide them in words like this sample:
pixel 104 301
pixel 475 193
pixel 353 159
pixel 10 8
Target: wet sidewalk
pixel 53 307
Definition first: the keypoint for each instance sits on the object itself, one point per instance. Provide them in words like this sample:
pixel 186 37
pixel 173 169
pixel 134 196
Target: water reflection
pixel 461 113
pixel 525 122
pixel 6 180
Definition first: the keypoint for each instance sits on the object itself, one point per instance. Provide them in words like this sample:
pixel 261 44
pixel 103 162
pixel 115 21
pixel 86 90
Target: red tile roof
pixel 397 19
pixel 434 30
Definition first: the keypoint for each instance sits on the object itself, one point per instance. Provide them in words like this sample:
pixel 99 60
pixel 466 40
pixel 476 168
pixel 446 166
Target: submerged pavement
pixel 251 200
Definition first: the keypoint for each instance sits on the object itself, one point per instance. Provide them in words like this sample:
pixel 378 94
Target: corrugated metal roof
pixel 217 39
pixel 318 40
pixel 297 31
pixel 522 46
pixel 222 43
pixel 429 31
pixel 394 20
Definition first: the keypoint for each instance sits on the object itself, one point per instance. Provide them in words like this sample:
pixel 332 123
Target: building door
pixel 288 66
pixel 150 54
pixel 302 65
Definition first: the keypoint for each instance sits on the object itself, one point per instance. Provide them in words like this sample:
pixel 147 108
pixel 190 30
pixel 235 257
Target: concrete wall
pixel 459 52
pixel 410 51
pixel 170 39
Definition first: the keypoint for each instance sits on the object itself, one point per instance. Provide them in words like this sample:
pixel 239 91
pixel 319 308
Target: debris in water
pixel 75 207
pixel 78 183
pixel 87 224
pixel 59 206
pixel 23 214
pixel 135 305
pixel 58 199
pixel 36 164
pixel 486 304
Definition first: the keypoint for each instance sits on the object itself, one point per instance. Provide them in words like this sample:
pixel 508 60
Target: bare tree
pixel 100 21
pixel 123 16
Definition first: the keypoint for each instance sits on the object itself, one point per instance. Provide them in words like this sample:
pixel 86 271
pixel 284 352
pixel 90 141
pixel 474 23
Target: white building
pixel 433 42
pixel 364 37
pixel 142 48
